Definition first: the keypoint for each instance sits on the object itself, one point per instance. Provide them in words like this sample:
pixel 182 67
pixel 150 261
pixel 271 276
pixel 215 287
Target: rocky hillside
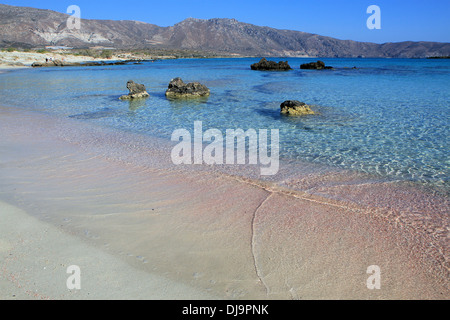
pixel 30 27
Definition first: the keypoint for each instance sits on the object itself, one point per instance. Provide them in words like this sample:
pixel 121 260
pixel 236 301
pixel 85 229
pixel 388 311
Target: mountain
pixel 30 27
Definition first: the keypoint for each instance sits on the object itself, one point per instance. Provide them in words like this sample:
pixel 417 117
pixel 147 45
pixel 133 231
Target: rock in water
pixel 295 108
pixel 319 65
pixel 137 91
pixel 179 89
pixel 51 63
pixel 263 64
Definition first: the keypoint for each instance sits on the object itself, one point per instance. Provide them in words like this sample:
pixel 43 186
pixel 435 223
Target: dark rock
pixel 137 90
pixel 50 63
pixel 263 64
pixel 59 63
pixel 102 63
pixel 319 65
pixel 179 89
pixel 295 108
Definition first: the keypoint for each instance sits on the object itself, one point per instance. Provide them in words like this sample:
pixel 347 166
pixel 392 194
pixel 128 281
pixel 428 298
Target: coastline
pixel 224 234
pixel 6 68
pixel 10 61
pixel 17 59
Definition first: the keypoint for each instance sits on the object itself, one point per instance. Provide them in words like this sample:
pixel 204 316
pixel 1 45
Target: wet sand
pixel 139 227
pixel 36 257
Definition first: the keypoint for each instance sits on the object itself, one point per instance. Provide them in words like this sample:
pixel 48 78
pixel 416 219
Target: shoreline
pixel 232 236
pixel 17 59
pixel 21 59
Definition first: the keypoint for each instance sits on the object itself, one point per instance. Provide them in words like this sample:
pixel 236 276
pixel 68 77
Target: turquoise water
pixel 388 117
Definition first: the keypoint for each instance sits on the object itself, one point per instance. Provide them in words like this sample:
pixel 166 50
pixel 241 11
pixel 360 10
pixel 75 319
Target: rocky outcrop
pixel 263 64
pixel 48 63
pixel 179 89
pixel 295 108
pixel 137 91
pixel 319 65
pixel 59 63
pixel 115 63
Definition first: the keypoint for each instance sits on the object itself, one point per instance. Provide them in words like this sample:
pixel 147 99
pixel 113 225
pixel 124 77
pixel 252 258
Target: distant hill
pixel 31 27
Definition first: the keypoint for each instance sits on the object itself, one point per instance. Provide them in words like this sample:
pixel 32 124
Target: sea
pixel 387 118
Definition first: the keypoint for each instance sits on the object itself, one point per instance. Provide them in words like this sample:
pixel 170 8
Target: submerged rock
pixel 263 64
pixel 295 108
pixel 319 65
pixel 179 89
pixel 137 91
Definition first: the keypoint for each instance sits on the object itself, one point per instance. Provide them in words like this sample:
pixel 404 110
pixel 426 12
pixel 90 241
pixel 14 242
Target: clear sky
pixel 401 20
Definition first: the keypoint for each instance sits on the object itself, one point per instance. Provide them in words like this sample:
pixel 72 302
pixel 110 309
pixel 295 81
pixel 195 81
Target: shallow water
pixel 229 236
pixel 388 117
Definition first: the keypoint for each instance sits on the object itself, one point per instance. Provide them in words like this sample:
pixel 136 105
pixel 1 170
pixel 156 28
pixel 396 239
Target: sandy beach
pixel 34 268
pixel 74 194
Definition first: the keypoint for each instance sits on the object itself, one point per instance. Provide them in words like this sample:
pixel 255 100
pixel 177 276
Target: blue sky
pixel 401 20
